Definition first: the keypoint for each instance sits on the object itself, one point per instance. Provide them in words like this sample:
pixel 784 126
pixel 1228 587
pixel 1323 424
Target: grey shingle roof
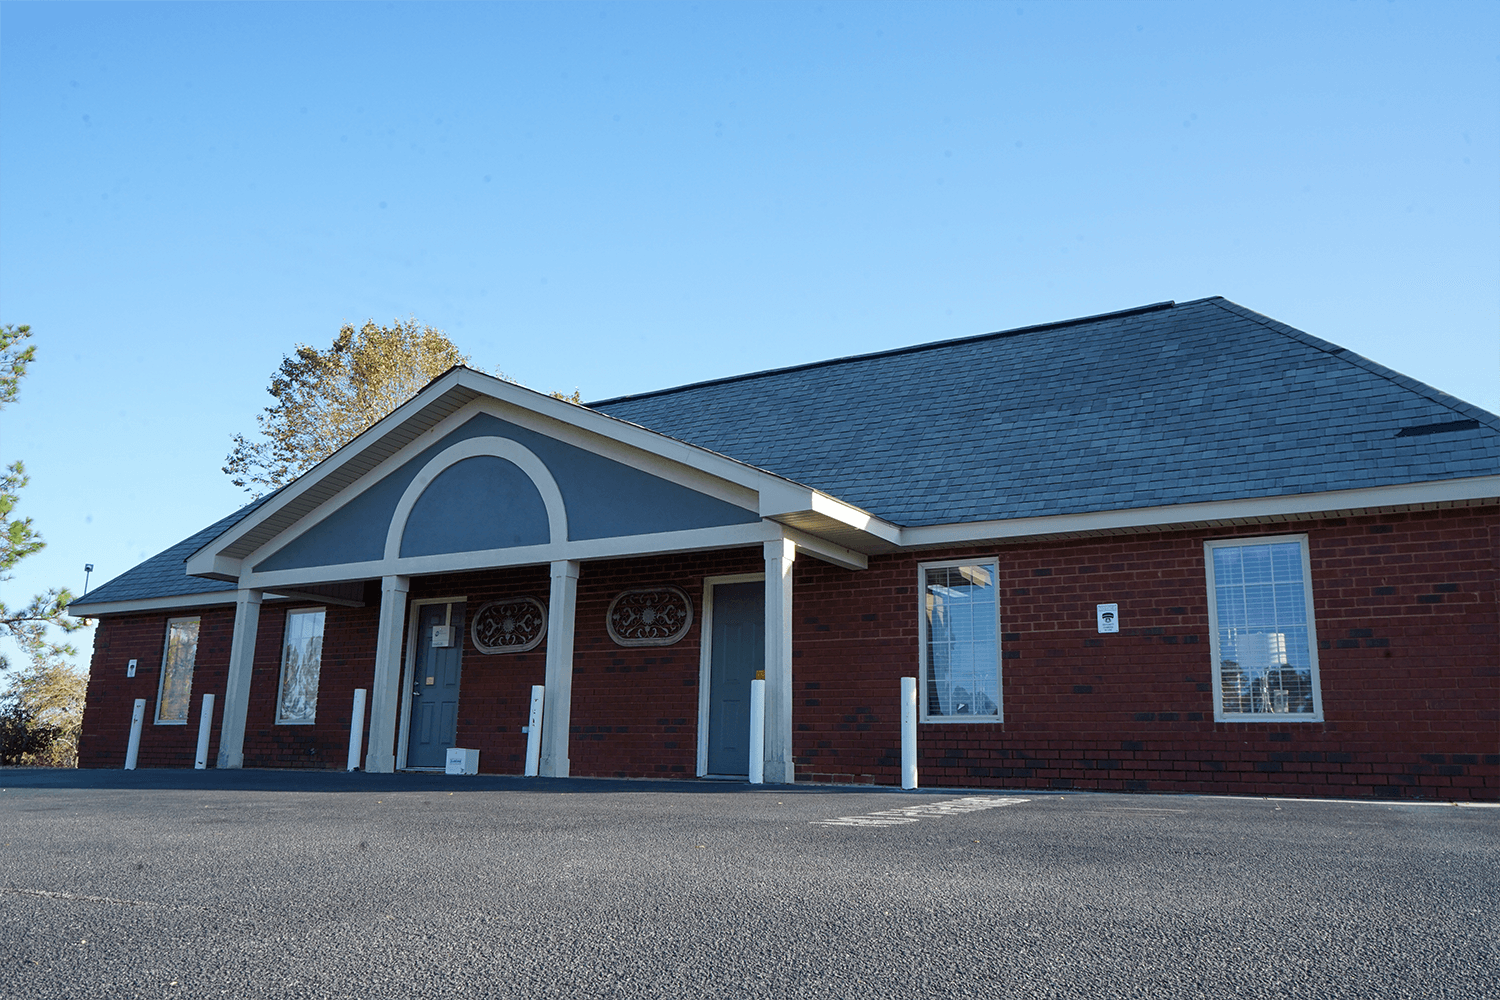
pixel 1166 404
pixel 164 574
pixel 1199 401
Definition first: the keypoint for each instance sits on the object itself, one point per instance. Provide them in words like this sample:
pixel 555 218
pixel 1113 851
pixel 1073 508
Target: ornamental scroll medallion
pixel 511 625
pixel 650 616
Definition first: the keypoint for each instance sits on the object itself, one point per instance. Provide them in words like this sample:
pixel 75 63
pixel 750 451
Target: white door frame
pixel 409 671
pixel 705 656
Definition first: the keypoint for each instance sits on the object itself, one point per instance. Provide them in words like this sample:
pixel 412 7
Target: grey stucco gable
pixel 603 498
pixel 1169 404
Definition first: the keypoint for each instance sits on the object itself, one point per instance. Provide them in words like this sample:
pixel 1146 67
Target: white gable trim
pixel 682 464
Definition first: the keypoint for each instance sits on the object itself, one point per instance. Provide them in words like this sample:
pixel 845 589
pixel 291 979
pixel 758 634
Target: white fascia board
pixel 623 547
pixel 851 515
pixel 1335 502
pixel 783 498
pixel 605 434
pixel 213 566
pixel 81 609
pixel 694 475
pixel 825 550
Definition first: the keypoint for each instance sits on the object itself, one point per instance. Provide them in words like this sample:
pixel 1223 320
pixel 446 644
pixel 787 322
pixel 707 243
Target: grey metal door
pixel 435 675
pixel 737 653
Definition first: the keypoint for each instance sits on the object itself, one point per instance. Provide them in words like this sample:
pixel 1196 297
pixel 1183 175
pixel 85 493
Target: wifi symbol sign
pixel 1109 617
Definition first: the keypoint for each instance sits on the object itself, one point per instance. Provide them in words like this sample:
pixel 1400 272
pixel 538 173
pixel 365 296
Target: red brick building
pixel 1177 548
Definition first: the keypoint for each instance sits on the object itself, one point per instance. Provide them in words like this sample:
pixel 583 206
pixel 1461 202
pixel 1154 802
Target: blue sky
pixel 625 197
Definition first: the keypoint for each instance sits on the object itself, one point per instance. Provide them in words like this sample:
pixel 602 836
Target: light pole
pixel 87 569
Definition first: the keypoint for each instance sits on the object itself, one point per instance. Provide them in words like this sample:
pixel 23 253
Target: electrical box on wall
pixel 442 635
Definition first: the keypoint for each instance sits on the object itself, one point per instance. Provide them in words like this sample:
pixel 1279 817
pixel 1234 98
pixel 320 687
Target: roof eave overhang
pixel 1249 510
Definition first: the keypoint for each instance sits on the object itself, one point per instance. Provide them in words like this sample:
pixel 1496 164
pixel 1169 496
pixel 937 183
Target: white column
pixel 557 709
pixel 780 767
pixel 237 686
pixel 385 693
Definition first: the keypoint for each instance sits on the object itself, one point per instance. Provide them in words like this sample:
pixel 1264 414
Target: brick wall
pixel 1409 654
pixel 1405 608
pixel 111 695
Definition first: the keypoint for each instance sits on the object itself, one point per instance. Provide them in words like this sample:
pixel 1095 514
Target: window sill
pixel 963 720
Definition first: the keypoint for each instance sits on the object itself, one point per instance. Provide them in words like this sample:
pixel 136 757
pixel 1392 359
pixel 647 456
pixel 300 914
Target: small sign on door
pixel 1109 617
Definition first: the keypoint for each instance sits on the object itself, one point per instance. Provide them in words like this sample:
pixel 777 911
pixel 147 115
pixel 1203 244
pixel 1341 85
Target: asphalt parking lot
pixel 270 884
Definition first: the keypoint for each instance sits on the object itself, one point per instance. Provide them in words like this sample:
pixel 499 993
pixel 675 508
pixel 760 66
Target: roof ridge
pixel 1431 393
pixel 892 352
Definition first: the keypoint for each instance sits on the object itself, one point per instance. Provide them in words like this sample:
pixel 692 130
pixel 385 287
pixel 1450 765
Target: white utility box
pixel 461 761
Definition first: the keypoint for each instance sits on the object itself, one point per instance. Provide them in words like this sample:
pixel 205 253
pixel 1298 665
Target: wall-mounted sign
pixel 649 616
pixel 512 625
pixel 1109 617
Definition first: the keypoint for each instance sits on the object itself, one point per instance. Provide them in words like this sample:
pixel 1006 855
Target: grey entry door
pixel 436 669
pixel 738 651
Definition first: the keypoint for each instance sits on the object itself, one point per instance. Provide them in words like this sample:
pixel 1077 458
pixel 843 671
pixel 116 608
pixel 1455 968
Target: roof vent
pixel 1450 427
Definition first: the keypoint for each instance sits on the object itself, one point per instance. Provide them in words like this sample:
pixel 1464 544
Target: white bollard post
pixel 205 726
pixel 133 748
pixel 908 732
pixel 356 730
pixel 534 731
pixel 757 732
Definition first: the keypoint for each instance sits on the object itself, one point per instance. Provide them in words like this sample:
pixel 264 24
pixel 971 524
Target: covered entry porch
pixel 476 482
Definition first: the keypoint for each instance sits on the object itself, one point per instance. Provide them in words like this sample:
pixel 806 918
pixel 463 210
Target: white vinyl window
pixel 960 641
pixel 1264 646
pixel 175 691
pixel 301 659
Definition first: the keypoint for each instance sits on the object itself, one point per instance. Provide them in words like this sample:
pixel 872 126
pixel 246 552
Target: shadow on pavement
pixel 257 780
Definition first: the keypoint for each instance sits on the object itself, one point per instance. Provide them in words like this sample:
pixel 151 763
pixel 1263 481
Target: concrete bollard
pixel 356 730
pixel 133 748
pixel 205 728
pixel 534 731
pixel 908 732
pixel 757 732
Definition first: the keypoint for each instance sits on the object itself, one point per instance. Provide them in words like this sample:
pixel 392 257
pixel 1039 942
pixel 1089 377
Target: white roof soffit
pixel 824 516
pixel 1337 503
pixel 797 506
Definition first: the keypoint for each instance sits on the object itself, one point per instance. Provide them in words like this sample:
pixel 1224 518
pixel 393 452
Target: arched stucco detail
pixel 497 447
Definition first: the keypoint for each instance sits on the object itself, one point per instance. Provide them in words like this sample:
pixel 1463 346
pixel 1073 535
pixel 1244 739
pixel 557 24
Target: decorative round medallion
pixel 650 616
pixel 512 625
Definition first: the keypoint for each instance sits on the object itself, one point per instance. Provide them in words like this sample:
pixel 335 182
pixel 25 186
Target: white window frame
pixel 282 720
pixel 161 681
pixel 1220 715
pixel 993 564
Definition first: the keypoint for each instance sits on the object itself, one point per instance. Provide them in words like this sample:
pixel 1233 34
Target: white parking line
pixel 911 814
